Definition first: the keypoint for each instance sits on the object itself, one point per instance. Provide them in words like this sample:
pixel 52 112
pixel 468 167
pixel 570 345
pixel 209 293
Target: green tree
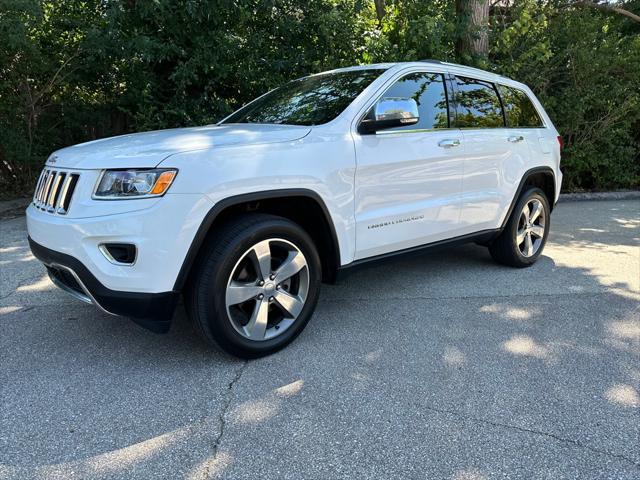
pixel 41 80
pixel 75 70
pixel 584 64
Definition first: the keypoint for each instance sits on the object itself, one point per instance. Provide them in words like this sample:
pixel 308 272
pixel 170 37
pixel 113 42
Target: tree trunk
pixel 472 45
pixel 380 10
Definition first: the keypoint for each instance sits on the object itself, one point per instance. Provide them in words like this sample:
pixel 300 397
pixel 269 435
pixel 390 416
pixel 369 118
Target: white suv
pixel 245 218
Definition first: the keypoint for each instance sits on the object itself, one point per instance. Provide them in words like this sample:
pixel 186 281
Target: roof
pixel 455 68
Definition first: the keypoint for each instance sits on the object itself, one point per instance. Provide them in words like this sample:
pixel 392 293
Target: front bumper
pixel 161 230
pixel 162 234
pixel 150 310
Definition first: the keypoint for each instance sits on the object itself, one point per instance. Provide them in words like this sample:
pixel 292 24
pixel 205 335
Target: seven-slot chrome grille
pixel 54 191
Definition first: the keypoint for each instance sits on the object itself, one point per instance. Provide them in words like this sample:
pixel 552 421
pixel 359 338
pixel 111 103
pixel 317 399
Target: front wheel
pixel 256 286
pixel 525 234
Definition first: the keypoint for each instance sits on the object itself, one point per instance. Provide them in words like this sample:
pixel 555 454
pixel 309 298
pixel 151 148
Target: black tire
pixel 205 293
pixel 505 249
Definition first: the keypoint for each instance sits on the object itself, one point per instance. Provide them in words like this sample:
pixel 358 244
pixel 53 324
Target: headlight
pixel 121 184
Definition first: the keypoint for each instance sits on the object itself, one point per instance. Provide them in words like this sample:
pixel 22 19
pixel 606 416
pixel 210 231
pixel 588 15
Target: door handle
pixel 448 143
pixel 515 138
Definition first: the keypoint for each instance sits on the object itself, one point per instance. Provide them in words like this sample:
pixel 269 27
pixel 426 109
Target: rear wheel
pixel 256 287
pixel 525 234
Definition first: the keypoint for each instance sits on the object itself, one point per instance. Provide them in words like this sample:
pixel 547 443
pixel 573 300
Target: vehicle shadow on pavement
pixel 446 365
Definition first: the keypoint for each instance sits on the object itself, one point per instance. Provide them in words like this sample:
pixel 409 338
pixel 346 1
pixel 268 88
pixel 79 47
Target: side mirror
pixel 390 113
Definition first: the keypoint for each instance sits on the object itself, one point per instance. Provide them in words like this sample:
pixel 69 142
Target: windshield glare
pixel 307 101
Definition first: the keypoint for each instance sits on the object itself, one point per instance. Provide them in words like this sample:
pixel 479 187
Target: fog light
pixel 119 253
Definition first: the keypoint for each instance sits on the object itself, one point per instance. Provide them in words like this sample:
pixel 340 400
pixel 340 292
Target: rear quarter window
pixel 478 104
pixel 518 108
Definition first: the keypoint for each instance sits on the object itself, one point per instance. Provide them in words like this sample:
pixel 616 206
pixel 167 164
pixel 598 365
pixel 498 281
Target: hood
pixel 148 149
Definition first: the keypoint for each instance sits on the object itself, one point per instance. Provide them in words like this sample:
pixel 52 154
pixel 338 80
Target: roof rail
pixel 440 62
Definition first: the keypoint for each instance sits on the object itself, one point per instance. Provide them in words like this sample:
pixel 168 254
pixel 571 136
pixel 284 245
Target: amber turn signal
pixel 164 181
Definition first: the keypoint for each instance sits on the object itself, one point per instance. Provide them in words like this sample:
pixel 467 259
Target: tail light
pixel 560 142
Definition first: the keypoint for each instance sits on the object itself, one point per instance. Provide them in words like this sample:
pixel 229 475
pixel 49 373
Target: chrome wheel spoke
pixel 241 292
pixel 537 210
pixel 262 253
pixel 290 303
pixel 537 231
pixel 257 325
pixel 292 265
pixel 526 213
pixel 520 236
pixel 528 245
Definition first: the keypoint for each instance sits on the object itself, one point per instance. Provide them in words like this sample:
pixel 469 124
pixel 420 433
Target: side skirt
pixel 483 237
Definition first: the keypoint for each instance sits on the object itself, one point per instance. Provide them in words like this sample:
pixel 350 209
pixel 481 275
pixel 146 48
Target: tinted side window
pixel 519 110
pixel 478 104
pixel 427 89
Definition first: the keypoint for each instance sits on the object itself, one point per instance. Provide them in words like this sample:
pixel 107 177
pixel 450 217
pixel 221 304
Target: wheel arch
pixel 545 180
pixel 541 177
pixel 302 206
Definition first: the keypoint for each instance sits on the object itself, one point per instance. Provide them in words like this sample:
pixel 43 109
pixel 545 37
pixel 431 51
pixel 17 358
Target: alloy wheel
pixel 267 289
pixel 531 228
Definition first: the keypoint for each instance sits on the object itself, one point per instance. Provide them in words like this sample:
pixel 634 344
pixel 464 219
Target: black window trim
pixel 451 100
pixel 383 89
pixel 505 124
pixel 543 123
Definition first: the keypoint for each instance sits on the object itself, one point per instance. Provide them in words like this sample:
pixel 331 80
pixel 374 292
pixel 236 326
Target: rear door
pixel 409 179
pixel 523 120
pixel 495 155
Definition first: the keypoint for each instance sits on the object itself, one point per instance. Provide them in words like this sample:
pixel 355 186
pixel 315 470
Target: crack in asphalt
pixel 222 422
pixel 516 428
pixel 21 284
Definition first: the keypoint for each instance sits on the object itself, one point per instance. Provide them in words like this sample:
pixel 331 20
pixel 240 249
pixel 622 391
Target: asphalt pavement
pixel 441 366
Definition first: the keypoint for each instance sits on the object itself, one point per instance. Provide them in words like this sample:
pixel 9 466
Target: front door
pixel 409 179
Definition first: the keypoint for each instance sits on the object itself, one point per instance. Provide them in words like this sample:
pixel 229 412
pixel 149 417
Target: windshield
pixel 307 101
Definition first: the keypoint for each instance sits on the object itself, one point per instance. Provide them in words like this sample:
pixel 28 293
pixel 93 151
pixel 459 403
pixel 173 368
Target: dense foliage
pixel 74 70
